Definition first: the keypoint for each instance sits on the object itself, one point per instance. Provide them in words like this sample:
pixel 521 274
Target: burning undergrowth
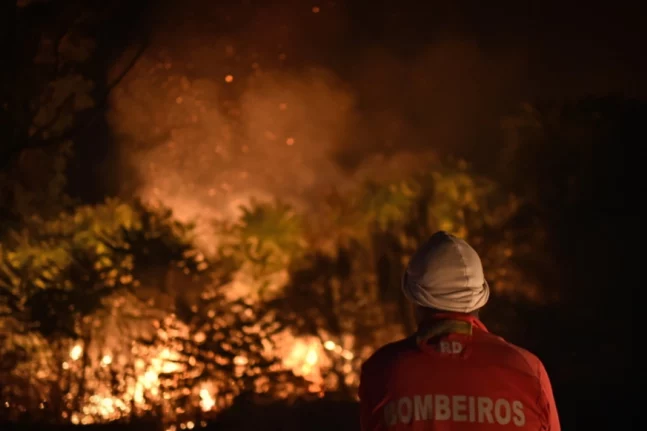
pixel 126 309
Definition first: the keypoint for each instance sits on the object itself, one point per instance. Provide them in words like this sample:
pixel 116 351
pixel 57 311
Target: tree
pixel 113 313
pixel 58 277
pixel 130 317
pixel 574 163
pixel 52 90
pixel 345 290
pixel 262 243
pixel 229 352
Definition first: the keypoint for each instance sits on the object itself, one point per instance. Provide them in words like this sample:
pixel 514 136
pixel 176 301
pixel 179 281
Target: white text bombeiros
pixel 456 408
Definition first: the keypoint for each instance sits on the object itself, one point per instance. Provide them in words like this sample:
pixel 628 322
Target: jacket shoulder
pixel 389 352
pixel 518 357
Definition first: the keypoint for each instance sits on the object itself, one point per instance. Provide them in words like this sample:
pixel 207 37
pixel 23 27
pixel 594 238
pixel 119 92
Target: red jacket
pixel 455 375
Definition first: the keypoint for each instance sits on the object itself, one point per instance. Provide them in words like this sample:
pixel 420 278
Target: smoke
pixel 209 121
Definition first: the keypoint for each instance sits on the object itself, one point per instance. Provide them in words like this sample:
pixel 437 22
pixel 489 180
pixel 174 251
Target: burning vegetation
pixel 112 312
pixel 207 288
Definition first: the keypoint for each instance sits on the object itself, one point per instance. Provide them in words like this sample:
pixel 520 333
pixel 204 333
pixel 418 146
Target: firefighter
pixel 453 374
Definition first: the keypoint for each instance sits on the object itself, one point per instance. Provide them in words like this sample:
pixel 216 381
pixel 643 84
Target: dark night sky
pixel 569 47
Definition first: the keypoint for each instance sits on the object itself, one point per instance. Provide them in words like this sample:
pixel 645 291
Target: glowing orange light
pixel 240 360
pixel 76 352
pixel 206 400
pixel 290 141
pixel 316 9
pixel 229 79
pixel 311 357
pixel 329 345
pixel 347 354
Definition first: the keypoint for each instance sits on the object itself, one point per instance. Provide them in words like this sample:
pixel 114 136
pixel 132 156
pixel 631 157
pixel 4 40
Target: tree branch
pixel 9 154
pixel 67 103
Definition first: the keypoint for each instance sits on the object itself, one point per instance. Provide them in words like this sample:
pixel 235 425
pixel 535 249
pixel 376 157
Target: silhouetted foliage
pixel 575 164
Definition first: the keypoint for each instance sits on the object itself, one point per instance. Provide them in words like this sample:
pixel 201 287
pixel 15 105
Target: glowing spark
pixel 290 141
pixel 229 79
pixel 150 377
pixel 311 357
pixel 329 345
pixel 316 9
pixel 106 360
pixel 347 354
pixel 240 360
pixel 138 396
pixel 76 352
pixel 206 400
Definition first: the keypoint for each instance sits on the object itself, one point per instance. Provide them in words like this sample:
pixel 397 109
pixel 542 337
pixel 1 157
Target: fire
pixel 123 378
pixel 240 360
pixel 76 352
pixel 302 357
pixel 306 356
pixel 207 401
pixel 329 345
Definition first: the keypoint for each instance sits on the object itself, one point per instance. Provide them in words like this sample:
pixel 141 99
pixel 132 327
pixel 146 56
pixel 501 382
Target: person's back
pixel 453 374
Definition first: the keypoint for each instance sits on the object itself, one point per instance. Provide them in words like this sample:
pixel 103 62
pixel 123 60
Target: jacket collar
pixel 449 323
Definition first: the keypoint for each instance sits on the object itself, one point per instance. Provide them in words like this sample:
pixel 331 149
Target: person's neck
pixel 441 322
pixel 428 315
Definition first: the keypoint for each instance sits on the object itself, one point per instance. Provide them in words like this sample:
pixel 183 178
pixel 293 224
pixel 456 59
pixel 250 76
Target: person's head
pixel 445 275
